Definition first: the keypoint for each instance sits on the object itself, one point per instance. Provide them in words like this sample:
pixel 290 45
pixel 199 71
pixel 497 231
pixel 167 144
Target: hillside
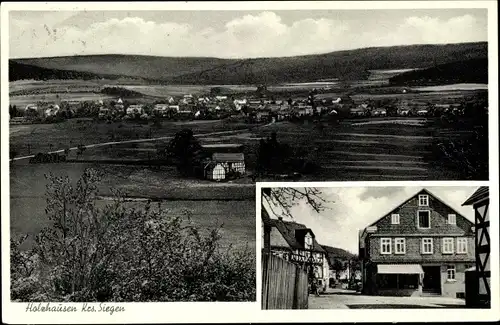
pixel 21 71
pixel 467 71
pixel 335 252
pixel 141 66
pixel 345 65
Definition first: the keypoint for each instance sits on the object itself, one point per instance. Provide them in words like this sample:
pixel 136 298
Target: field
pixel 208 207
pixel 353 150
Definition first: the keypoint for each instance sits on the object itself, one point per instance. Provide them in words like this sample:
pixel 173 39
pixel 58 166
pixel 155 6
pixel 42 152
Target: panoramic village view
pixel 414 249
pixel 136 138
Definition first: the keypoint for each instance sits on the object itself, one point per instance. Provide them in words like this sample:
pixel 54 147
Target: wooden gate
pixel 284 284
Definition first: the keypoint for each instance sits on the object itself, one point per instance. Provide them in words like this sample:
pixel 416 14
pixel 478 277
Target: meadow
pixel 208 206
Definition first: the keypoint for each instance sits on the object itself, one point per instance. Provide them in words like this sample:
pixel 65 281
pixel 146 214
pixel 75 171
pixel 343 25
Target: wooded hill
pixel 344 65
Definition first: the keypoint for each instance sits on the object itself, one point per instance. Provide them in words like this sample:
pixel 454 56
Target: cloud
pixel 262 34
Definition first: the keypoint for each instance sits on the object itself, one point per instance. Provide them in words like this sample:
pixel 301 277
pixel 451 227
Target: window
pixel 448 246
pixel 452 219
pixel 395 219
pixel 423 200
pixel 450 273
pixel 424 219
pixel 385 246
pixel 399 246
pixel 308 241
pixel 461 245
pixel 427 246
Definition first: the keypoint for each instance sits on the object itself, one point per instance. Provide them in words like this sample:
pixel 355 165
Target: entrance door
pixel 432 279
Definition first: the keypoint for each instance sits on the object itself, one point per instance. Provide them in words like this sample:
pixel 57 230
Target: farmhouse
pixel 297 243
pixel 234 162
pixel 421 247
pixel 214 171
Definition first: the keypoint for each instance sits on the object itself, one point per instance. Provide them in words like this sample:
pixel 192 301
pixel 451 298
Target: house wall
pixel 408 219
pixel 408 229
pixel 452 288
pixel 413 250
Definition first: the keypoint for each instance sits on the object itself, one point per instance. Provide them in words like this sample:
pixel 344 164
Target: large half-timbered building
pixel 480 201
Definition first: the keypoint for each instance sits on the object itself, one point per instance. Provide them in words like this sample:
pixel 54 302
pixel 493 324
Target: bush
pixel 124 255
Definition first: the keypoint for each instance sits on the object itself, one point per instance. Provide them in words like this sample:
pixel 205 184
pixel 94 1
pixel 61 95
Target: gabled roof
pixel 422 191
pixel 228 157
pixel 480 194
pixel 288 230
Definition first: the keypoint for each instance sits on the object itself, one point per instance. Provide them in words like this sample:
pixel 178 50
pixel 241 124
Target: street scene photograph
pixel 375 247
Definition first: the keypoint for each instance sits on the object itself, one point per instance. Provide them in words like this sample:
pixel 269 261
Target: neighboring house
pixel 404 112
pixel 135 110
pixel 214 171
pixel 31 110
pixel 232 162
pixel 338 257
pixel 119 105
pixel 422 112
pixel 480 200
pixel 103 111
pixel 160 109
pixel 296 243
pixel 422 246
pixel 358 111
pixel 379 112
pixel 239 103
pixel 52 110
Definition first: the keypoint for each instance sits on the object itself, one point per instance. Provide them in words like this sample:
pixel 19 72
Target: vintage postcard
pixel 137 137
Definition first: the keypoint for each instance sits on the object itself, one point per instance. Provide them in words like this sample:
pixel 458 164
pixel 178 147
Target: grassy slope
pixel 350 65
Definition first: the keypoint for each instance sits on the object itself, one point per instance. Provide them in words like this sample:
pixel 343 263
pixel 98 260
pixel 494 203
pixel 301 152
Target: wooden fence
pixel 284 284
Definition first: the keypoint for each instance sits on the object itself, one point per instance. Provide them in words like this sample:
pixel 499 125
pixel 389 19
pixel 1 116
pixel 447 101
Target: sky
pixel 235 34
pixel 350 209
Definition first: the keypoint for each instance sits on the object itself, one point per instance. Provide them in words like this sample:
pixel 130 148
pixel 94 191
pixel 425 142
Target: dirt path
pixel 103 144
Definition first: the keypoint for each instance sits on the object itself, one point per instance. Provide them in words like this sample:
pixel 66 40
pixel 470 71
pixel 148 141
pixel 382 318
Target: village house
pixel 133 110
pixel 223 165
pixel 160 109
pixel 31 110
pixel 296 243
pixel 52 110
pixel 379 112
pixel 421 247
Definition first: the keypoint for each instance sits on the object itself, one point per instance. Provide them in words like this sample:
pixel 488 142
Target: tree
pixel 285 198
pixel 114 253
pixel 186 150
pixel 338 266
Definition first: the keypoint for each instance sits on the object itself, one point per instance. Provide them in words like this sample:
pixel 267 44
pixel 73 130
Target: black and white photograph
pixel 375 247
pixel 148 151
